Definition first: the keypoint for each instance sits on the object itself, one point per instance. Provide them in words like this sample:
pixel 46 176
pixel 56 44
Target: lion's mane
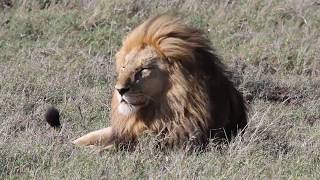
pixel 200 103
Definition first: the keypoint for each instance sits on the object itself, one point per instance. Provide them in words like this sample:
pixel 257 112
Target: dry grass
pixel 62 54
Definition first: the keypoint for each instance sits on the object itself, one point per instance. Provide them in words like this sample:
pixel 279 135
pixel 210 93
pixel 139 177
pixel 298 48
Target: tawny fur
pixel 197 101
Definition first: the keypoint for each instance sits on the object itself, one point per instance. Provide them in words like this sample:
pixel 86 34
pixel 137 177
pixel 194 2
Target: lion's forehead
pixel 138 57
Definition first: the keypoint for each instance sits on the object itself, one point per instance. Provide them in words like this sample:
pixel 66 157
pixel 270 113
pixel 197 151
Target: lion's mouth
pixel 133 103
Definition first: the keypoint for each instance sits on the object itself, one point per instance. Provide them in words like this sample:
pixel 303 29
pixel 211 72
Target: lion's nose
pixel 123 90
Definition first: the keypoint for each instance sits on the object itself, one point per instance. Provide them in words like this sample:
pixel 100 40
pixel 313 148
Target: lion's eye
pixel 143 73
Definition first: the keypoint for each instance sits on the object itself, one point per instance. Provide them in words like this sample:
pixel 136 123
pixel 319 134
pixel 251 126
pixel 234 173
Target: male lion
pixel 170 82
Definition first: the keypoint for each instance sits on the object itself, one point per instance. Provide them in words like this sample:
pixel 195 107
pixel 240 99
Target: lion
pixel 171 83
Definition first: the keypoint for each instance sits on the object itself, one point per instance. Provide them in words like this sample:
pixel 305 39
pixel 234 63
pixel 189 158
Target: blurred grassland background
pixel 61 52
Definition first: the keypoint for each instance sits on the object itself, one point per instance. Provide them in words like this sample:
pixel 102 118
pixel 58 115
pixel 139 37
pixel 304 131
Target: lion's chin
pixel 127 109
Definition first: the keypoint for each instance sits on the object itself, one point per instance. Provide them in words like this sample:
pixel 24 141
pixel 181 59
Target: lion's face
pixel 141 79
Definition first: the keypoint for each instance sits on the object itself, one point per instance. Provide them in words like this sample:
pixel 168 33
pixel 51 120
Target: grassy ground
pixel 62 54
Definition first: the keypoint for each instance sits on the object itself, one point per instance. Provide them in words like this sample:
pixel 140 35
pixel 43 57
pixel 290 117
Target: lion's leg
pixel 102 137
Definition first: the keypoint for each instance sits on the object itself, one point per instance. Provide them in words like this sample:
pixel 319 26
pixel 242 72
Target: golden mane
pixel 170 36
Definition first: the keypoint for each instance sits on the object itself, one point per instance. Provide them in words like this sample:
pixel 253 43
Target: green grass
pixel 63 54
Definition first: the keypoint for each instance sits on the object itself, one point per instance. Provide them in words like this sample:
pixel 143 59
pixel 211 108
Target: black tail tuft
pixel 52 117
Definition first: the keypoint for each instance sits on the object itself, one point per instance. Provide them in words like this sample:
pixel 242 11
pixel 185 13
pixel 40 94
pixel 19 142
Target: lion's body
pixel 186 98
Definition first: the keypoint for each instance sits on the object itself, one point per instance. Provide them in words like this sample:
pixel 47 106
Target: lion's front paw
pixel 102 137
pixel 80 142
